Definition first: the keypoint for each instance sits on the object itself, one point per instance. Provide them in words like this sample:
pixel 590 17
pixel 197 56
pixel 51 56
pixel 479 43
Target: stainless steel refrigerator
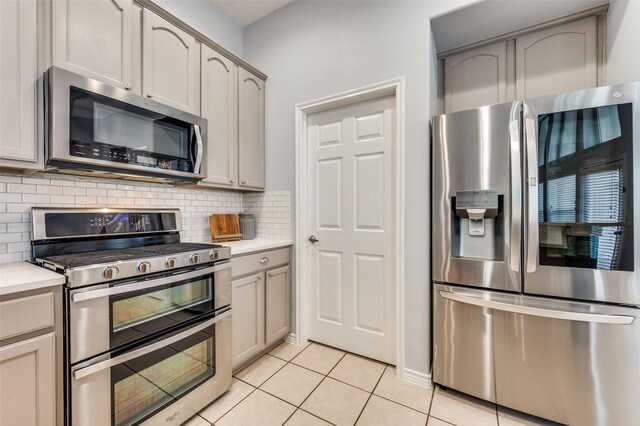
pixel 536 255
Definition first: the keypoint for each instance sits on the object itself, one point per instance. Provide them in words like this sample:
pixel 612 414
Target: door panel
pixel 476 78
pixel 220 108
pixel 278 304
pixel 94 39
pixel 251 130
pixel 582 236
pixel 557 59
pixel 248 317
pixel 474 150
pixel 352 291
pixel 171 61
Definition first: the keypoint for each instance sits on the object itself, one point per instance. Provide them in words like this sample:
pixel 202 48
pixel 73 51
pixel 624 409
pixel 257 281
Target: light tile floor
pixel 317 385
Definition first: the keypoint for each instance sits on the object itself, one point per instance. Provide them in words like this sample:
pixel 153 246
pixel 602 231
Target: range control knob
pixel 170 263
pixel 214 255
pixel 110 272
pixel 144 267
pixel 195 258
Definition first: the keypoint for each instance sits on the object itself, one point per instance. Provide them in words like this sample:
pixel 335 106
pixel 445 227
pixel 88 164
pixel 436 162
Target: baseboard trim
pixel 291 338
pixel 417 378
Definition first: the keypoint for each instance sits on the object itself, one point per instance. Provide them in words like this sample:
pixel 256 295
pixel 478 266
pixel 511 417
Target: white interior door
pixel 352 293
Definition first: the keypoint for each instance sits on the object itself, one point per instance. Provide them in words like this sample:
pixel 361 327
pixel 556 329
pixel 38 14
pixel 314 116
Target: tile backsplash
pixel 18 193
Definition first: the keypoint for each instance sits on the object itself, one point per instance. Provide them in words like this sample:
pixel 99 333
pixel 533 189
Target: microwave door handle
pixel 531 184
pixel 516 186
pixel 127 288
pixel 109 363
pixel 199 149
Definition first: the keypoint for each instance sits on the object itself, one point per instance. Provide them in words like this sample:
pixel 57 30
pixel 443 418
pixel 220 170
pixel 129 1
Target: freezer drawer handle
pixel 539 312
pixel 102 365
pixel 112 291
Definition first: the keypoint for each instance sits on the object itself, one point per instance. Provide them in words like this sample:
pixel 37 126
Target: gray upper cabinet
pixel 251 131
pixel 549 60
pixel 94 38
pixel 18 85
pixel 170 64
pixel 558 59
pixel 220 107
pixel 476 78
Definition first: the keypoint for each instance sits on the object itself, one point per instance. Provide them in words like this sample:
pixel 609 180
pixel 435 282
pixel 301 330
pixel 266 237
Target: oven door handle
pixel 126 288
pixel 109 363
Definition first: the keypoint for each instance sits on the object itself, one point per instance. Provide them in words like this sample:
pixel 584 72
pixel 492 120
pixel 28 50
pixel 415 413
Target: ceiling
pixel 246 12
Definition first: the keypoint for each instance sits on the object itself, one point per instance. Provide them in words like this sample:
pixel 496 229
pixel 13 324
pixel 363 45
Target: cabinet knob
pixel 244 182
pixel 264 260
pixel 259 277
pixel 149 95
pixel 127 86
pixel 230 180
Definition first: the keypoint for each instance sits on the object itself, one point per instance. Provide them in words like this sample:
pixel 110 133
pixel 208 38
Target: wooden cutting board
pixel 225 227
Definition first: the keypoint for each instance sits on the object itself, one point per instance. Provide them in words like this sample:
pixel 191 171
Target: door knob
pixel 313 239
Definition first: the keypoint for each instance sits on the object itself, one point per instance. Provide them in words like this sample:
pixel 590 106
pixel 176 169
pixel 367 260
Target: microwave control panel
pixel 114 154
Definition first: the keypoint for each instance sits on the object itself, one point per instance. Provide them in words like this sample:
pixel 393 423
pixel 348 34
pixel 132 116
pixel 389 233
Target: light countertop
pixel 22 276
pixel 257 244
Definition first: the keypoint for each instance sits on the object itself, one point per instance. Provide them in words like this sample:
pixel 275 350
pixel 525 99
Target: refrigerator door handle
pixel 516 187
pixel 538 312
pixel 531 184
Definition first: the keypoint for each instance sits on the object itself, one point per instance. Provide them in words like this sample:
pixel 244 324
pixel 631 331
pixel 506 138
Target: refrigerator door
pixel 582 205
pixel 571 362
pixel 474 151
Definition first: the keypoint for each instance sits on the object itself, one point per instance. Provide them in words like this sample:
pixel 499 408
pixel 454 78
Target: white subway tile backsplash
pixel 19 194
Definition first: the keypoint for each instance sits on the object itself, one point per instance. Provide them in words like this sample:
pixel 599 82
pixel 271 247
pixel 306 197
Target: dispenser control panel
pixel 477 206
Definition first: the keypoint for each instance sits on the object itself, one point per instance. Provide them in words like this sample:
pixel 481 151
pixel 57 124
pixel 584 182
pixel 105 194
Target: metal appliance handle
pixel 199 148
pixel 516 186
pixel 532 188
pixel 102 365
pixel 538 312
pixel 112 291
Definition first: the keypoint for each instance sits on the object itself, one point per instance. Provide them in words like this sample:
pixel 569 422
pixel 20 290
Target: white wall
pixel 209 20
pixel 314 49
pixel 623 41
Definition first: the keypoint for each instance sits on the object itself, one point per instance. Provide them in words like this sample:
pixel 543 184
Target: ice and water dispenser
pixel 476 229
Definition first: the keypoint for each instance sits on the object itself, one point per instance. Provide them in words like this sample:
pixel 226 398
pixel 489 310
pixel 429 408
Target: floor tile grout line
pixel 234 406
pixel 444 421
pixel 316 416
pixel 433 395
pixel 370 394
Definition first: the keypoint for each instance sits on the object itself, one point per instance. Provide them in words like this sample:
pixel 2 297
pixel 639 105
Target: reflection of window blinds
pixel 563 135
pixel 600 125
pixel 562 200
pixel 602 203
pixel 541 202
pixel 601 197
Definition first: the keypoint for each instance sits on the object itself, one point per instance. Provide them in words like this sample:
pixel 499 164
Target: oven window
pixel 140 314
pixel 148 306
pixel 146 385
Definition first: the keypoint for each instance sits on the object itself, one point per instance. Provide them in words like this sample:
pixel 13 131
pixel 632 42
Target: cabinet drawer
pixel 25 315
pixel 256 262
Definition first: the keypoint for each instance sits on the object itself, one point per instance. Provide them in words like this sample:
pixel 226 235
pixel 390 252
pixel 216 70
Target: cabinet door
pixel 247 295
pixel 251 131
pixel 18 69
pixel 277 304
pixel 476 78
pixel 27 382
pixel 220 108
pixel 557 59
pixel 93 38
pixel 170 64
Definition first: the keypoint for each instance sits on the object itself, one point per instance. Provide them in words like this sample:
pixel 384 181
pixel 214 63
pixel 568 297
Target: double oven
pixel 147 327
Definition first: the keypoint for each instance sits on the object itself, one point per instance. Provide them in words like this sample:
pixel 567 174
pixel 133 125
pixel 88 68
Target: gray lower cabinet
pixel 30 382
pixel 261 300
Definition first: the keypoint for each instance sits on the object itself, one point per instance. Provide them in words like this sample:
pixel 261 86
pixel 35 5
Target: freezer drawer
pixel 571 362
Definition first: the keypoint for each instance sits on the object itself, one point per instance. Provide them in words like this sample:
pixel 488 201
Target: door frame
pixel 394 87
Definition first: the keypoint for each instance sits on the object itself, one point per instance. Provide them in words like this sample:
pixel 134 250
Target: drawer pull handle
pixel 264 260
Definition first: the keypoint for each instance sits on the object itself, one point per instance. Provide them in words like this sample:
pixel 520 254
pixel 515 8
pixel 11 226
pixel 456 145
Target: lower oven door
pixel 164 382
pixel 105 317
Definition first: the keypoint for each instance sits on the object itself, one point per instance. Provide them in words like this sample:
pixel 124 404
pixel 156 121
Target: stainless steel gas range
pixel 147 333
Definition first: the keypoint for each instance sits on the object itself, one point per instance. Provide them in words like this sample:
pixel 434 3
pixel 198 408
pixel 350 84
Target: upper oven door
pixel 582 235
pixel 94 125
pixel 106 317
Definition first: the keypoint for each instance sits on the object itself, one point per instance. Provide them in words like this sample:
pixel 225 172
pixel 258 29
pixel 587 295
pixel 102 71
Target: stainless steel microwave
pixel 96 129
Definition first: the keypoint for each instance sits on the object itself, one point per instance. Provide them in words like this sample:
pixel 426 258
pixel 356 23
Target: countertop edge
pixel 17 277
pixel 242 247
